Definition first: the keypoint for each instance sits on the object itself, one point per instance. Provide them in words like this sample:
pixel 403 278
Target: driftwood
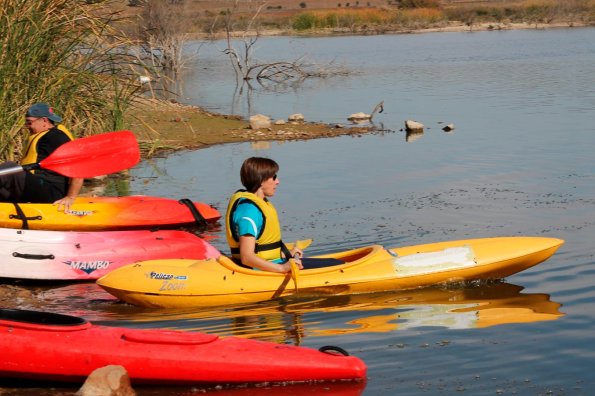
pixel 379 108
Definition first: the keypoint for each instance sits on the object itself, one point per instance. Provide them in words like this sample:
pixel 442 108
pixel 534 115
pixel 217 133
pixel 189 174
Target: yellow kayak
pixel 107 213
pixel 199 283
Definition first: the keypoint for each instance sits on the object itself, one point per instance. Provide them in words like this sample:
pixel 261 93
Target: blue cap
pixel 40 110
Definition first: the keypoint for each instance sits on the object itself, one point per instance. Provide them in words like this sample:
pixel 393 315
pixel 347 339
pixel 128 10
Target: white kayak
pixel 70 255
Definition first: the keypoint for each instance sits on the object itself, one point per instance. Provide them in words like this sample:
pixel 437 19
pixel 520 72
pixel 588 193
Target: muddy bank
pixel 20 296
pixel 161 126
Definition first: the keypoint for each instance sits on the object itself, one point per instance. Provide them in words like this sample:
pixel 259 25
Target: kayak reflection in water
pixel 252 225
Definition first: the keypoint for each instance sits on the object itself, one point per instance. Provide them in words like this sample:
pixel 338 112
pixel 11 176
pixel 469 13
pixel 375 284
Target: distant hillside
pixel 211 17
pixel 304 5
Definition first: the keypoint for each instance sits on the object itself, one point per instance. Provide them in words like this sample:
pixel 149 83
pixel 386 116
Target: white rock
pixel 259 121
pixel 296 117
pixel 359 116
pixel 411 125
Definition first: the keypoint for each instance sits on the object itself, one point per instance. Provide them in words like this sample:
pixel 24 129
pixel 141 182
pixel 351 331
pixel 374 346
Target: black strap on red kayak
pixel 333 350
pixel 200 220
pixel 21 216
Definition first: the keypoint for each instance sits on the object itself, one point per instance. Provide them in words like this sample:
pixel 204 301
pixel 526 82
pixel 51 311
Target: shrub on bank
pixel 417 14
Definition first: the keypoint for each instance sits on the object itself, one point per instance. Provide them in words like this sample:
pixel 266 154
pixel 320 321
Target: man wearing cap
pixel 41 186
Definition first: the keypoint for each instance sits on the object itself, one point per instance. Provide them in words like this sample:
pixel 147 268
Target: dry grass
pixel 383 16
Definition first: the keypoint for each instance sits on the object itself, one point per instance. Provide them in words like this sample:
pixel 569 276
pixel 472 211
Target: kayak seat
pixel 307 262
pixel 315 262
pixel 39 317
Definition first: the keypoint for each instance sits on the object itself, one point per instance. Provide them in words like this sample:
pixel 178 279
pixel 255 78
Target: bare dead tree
pixel 162 32
pixel 285 72
pixel 275 76
pixel 242 60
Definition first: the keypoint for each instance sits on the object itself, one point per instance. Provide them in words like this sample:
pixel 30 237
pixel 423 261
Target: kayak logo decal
pixel 160 276
pixel 164 276
pixel 80 213
pixel 168 281
pixel 167 285
pixel 88 266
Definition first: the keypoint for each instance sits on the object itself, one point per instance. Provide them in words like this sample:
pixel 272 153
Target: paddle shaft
pixel 15 169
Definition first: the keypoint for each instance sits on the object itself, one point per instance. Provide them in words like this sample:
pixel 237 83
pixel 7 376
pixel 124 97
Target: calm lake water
pixel 520 162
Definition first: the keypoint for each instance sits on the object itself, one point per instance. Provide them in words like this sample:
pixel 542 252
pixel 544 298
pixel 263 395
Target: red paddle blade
pixel 94 155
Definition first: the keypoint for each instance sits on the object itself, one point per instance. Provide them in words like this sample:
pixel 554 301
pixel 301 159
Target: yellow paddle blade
pixel 301 244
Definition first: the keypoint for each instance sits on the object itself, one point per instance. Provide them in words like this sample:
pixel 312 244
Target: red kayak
pixel 47 346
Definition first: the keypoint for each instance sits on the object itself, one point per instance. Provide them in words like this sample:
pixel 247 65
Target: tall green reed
pixel 66 53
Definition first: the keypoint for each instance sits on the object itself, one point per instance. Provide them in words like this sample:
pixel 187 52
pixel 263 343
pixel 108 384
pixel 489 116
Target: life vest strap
pixel 235 251
pixel 262 248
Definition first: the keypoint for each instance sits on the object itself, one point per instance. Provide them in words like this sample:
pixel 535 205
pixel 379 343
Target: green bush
pixel 304 21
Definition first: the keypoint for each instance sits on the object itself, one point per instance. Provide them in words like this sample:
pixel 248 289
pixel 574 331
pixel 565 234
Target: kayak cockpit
pixel 322 263
pixel 41 320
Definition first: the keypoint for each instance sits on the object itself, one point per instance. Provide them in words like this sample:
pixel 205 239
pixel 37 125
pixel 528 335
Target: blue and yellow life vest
pixel 268 243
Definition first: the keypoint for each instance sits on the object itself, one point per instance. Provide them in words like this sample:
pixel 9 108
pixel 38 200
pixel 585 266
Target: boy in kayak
pixel 46 134
pixel 252 225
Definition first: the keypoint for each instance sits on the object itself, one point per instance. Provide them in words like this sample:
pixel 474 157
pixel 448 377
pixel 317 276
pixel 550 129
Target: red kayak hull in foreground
pixel 46 346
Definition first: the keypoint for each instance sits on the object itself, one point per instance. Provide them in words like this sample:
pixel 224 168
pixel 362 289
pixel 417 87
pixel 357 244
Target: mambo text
pixel 88 266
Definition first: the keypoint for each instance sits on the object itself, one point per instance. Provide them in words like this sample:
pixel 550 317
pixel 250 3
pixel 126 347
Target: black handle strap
pixel 21 216
pixel 200 220
pixel 33 256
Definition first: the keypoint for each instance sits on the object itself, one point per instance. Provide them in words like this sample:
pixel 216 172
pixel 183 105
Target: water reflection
pixel 413 135
pixel 351 388
pixel 329 388
pixel 290 320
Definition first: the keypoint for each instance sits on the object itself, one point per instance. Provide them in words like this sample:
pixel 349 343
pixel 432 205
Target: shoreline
pixel 450 27
pixel 163 126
